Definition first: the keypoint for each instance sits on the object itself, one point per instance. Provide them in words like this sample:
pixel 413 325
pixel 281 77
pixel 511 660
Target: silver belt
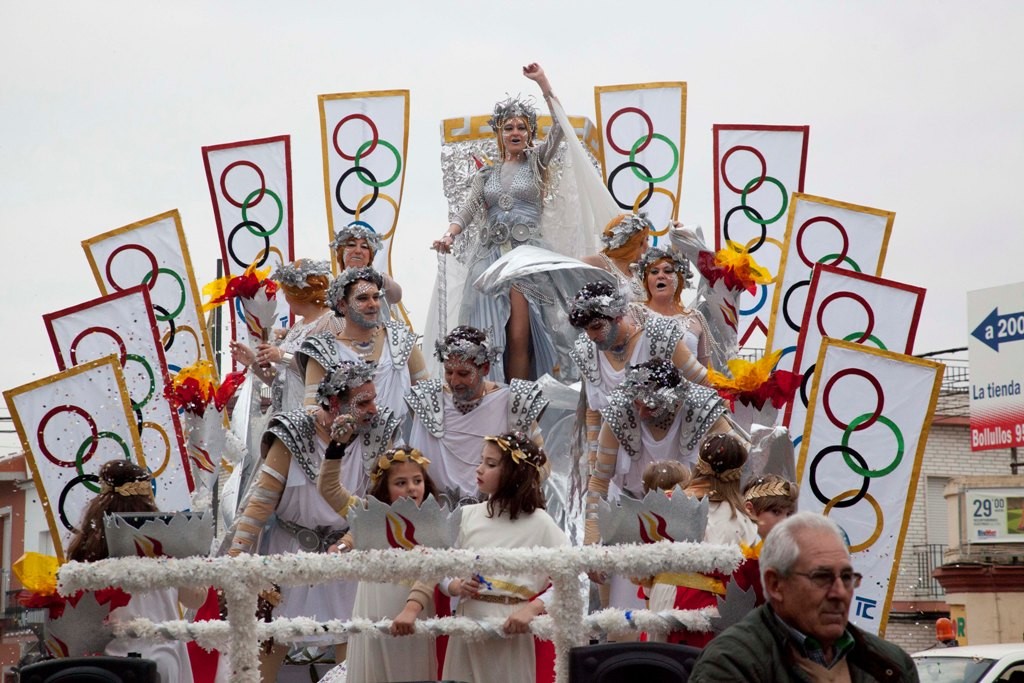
pixel 499 232
pixel 315 540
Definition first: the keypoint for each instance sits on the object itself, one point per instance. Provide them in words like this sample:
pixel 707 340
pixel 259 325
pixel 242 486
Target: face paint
pixel 465 379
pixel 363 304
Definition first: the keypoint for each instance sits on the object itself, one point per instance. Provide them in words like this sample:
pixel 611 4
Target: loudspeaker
pixel 91 670
pixel 627 662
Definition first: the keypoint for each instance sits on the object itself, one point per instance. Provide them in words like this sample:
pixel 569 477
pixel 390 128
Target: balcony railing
pixel 928 557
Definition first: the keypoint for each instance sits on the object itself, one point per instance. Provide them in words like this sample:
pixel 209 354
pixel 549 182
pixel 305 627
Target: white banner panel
pixel 995 319
pixel 123 324
pixel 757 168
pixel 365 137
pixel 642 147
pixel 861 458
pixel 153 253
pixel 69 425
pixel 862 309
pixel 824 231
pixel 251 190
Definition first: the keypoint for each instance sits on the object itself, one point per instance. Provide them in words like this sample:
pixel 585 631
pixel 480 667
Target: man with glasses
pixel 802 633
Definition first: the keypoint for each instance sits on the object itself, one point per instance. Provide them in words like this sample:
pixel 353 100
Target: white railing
pixel 242 578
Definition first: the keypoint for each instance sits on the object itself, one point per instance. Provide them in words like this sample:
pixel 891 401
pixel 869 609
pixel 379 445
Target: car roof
pixel 994 651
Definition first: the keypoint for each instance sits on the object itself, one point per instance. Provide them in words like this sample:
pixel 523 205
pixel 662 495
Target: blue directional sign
pixel 998 329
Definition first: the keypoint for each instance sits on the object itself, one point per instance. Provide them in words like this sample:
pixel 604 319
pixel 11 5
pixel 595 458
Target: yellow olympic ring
pixel 184 328
pixel 167 442
pixel 878 516
pixel 769 240
pixel 671 197
pixel 389 200
pixel 272 250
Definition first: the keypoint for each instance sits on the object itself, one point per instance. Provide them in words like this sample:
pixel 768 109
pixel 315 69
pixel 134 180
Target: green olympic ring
pixel 181 304
pixel 675 158
pixel 871 337
pixel 398 163
pixel 152 379
pixel 758 181
pixel 853 264
pixel 79 462
pixel 899 446
pixel 280 213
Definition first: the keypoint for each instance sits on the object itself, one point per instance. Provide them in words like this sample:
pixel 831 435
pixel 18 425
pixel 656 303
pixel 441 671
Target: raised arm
pixel 547 149
pixel 328 483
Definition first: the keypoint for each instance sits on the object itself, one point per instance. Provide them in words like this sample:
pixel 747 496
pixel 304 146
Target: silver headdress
pixel 513 108
pixel 655 517
pixel 357 230
pixel 336 292
pixel 346 375
pixel 624 227
pixel 656 384
pixel 459 345
pixel 403 524
pixel 159 534
pixel 655 254
pixel 296 273
pixel 599 298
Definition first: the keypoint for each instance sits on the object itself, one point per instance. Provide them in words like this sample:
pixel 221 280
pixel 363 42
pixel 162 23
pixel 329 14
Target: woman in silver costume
pixel 510 196
pixel 663 274
pixel 624 240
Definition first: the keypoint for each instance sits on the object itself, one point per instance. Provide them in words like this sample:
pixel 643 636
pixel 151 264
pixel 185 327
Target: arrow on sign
pixel 998 329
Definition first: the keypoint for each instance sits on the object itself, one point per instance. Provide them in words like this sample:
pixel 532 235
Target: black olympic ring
pixel 375 186
pixel 746 210
pixel 170 321
pixel 611 182
pixel 231 239
pixel 808 374
pixel 785 304
pixel 139 419
pixel 81 478
pixel 813 478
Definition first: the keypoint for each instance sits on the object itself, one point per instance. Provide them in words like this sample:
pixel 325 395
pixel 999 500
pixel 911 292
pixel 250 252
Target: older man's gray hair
pixel 781 552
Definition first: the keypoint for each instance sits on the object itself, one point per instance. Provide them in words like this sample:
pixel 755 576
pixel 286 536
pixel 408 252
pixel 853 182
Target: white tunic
pixel 391 380
pixel 510 660
pixel 609 378
pixel 171 656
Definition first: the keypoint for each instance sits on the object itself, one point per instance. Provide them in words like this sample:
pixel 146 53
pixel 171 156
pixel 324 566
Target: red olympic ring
pixel 880 400
pixel 122 357
pixel 624 110
pixel 46 420
pixel 224 187
pixel 369 122
pixel 137 247
pixel 847 295
pixel 756 153
pixel 822 219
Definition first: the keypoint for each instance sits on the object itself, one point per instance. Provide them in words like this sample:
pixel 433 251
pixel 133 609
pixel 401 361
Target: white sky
pixel 914 106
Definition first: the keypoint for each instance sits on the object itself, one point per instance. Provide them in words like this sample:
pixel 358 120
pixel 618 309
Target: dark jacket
pixel 757 649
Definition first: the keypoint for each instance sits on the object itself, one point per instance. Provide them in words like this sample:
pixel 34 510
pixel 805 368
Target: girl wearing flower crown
pixel 126 488
pixel 400 472
pixel 717 476
pixel 510 474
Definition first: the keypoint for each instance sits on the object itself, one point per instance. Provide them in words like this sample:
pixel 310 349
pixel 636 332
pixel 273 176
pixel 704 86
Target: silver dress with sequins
pixel 509 195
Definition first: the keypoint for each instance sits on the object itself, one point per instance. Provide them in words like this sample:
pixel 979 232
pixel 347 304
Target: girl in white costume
pixel 124 488
pixel 399 473
pixel 513 517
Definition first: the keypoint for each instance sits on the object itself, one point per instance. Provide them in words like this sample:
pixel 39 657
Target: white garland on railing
pixel 612 621
pixel 241 579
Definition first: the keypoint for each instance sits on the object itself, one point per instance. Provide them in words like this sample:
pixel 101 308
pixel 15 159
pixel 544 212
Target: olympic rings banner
pixel 825 231
pixel 251 191
pixel 153 252
pixel 861 458
pixel 858 308
pixel 123 324
pixel 69 425
pixel 643 130
pixel 365 138
pixel 757 168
